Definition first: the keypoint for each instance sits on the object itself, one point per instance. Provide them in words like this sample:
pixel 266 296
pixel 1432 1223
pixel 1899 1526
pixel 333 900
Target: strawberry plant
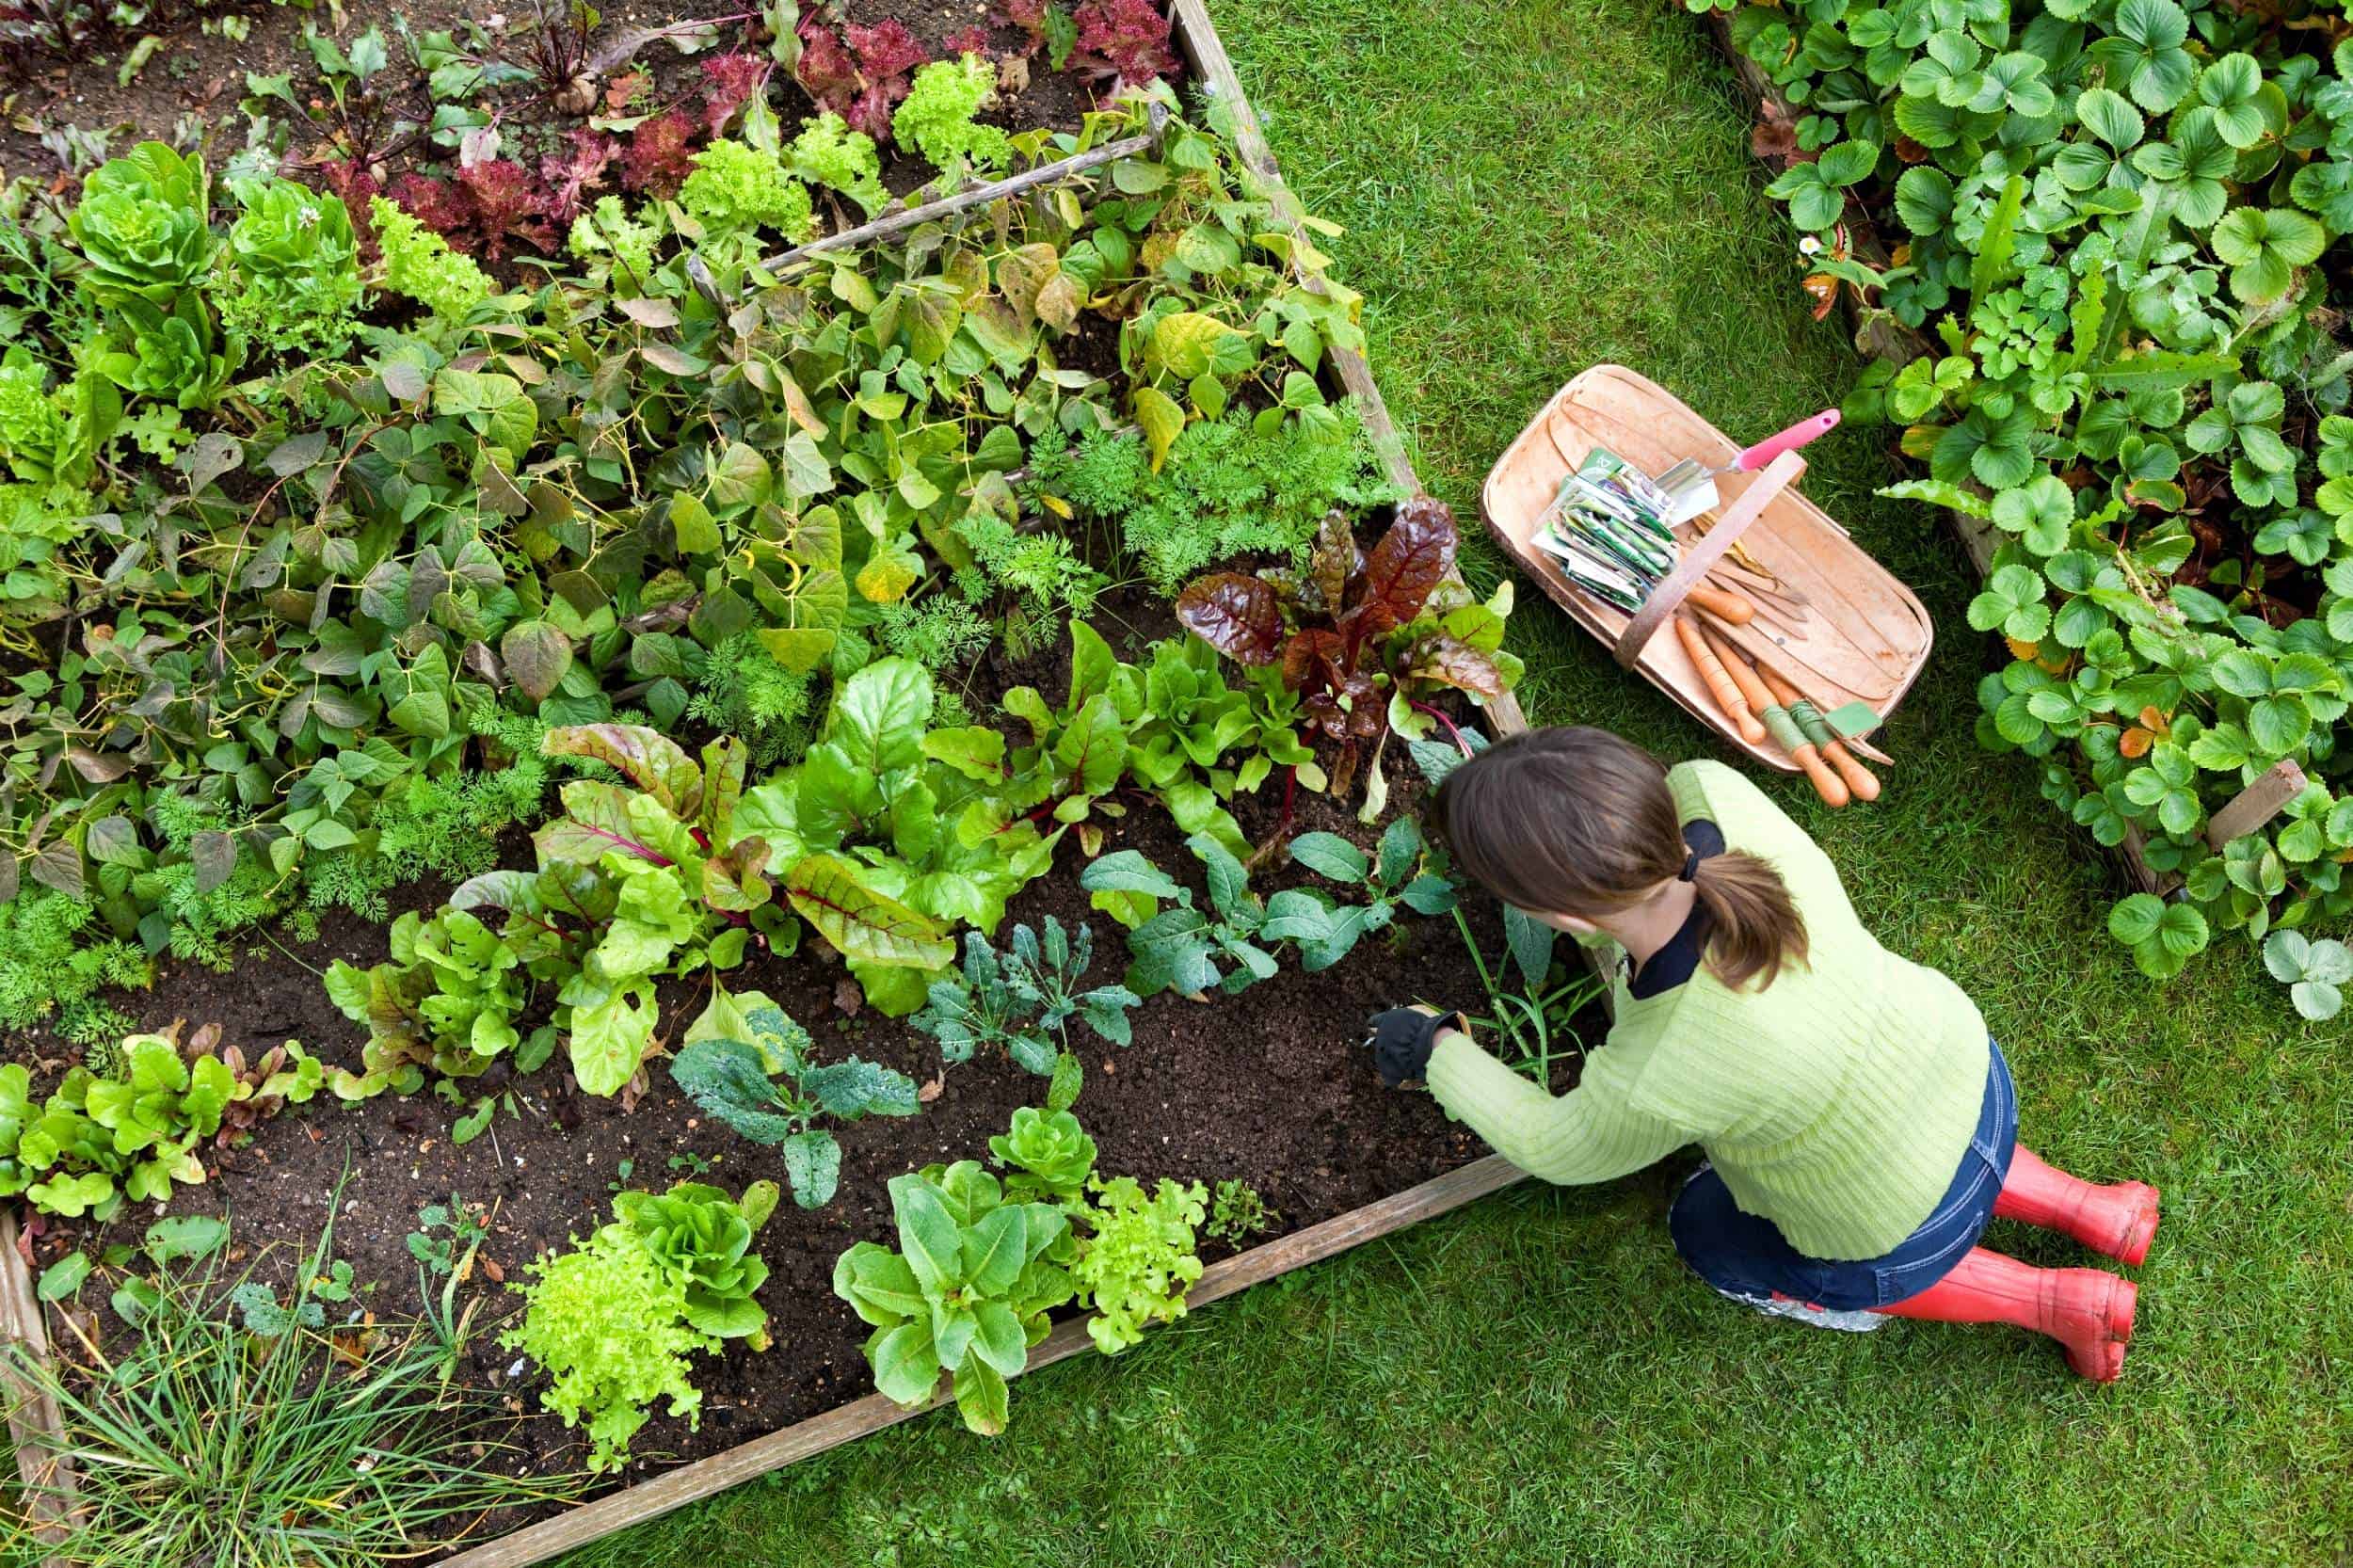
pixel 2130 370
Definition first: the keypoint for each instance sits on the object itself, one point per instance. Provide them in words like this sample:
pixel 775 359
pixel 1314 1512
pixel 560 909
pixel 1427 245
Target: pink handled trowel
pixel 1691 488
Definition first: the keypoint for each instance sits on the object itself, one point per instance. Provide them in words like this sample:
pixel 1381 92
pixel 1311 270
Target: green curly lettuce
pixel 1139 1263
pixel 936 117
pixel 419 264
pixel 735 188
pixel 607 1323
pixel 828 153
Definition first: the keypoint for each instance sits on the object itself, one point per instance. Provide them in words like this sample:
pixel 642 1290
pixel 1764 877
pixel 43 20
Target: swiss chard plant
pixel 1022 1002
pixel 965 1293
pixel 749 1064
pixel 888 834
pixel 636 882
pixel 1359 632
pixel 126 1126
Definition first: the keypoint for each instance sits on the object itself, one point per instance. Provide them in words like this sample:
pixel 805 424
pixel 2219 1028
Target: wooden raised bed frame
pixel 1885 338
pixel 34 1424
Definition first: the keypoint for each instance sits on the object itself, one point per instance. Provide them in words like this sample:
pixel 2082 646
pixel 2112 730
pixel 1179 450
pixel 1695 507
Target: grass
pixel 1529 188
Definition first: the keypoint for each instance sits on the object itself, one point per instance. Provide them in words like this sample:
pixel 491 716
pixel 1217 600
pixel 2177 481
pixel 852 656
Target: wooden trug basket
pixel 1867 635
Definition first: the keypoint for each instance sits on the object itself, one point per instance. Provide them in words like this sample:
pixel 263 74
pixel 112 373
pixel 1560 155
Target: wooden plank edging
pixel 675 1489
pixel 1885 338
pixel 36 1428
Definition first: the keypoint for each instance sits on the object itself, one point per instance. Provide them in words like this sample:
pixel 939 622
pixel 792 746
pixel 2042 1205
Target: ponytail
pixel 1573 821
pixel 1754 923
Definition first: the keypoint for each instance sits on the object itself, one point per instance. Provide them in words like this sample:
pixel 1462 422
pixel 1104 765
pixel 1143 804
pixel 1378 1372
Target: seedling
pixel 747 1063
pixel 1326 930
pixel 1181 949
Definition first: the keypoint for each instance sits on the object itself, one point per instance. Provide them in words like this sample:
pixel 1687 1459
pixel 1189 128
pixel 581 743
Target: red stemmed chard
pixel 1356 626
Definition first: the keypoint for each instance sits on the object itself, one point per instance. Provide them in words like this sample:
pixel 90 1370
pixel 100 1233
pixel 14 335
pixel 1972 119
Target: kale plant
pixel 747 1063
pixel 1327 930
pixel 1022 1003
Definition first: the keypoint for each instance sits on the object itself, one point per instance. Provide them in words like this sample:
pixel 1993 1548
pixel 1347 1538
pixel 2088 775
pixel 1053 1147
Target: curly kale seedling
pixel 1181 949
pixel 753 1072
pixel 1022 1002
pixel 1325 929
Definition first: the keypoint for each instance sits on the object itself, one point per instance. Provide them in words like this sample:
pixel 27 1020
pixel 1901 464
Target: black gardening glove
pixel 1402 1040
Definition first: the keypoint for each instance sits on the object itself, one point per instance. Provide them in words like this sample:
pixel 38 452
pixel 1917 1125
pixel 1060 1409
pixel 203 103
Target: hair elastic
pixel 1690 868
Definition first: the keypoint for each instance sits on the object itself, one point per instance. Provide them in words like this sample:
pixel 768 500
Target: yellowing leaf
pixel 1162 420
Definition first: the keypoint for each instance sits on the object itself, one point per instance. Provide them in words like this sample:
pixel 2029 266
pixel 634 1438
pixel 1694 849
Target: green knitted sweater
pixel 1836 1103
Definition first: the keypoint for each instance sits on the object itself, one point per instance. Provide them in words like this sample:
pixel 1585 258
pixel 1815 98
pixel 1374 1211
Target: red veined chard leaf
pixel 1449 662
pixel 723 762
pixel 860 922
pixel 736 879
pixel 1235 614
pixel 1412 558
pixel 655 763
pixel 595 823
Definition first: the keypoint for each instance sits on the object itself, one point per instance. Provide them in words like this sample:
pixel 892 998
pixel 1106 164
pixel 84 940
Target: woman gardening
pixel 1859 1126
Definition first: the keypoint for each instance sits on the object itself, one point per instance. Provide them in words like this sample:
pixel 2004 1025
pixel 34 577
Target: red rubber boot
pixel 2089 1312
pixel 2117 1218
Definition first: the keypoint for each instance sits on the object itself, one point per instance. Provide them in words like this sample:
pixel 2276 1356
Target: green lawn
pixel 1530 187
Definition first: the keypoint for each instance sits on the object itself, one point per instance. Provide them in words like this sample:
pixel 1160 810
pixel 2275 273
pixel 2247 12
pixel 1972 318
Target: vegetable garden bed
pixel 2193 581
pixel 1265 1093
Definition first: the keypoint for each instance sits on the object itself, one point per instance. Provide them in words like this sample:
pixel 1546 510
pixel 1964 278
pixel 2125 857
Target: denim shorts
pixel 1745 1256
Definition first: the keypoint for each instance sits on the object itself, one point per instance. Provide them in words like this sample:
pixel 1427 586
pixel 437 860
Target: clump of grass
pixel 318 1446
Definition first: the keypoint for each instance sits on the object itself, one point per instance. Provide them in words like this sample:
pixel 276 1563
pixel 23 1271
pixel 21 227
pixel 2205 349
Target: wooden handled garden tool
pixel 1728 693
pixel 1778 722
pixel 1691 486
pixel 1858 779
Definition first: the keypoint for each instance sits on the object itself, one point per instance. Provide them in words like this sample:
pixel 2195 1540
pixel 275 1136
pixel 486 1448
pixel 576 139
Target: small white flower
pixel 308 216
pixel 1809 246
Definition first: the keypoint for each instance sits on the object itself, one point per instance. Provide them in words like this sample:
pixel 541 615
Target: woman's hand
pixel 1402 1039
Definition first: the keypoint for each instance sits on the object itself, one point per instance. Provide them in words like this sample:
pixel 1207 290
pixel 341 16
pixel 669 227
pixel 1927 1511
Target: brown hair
pixel 1572 821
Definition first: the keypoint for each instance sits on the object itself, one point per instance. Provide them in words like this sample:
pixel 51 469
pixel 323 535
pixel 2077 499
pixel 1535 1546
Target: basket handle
pixel 1777 476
